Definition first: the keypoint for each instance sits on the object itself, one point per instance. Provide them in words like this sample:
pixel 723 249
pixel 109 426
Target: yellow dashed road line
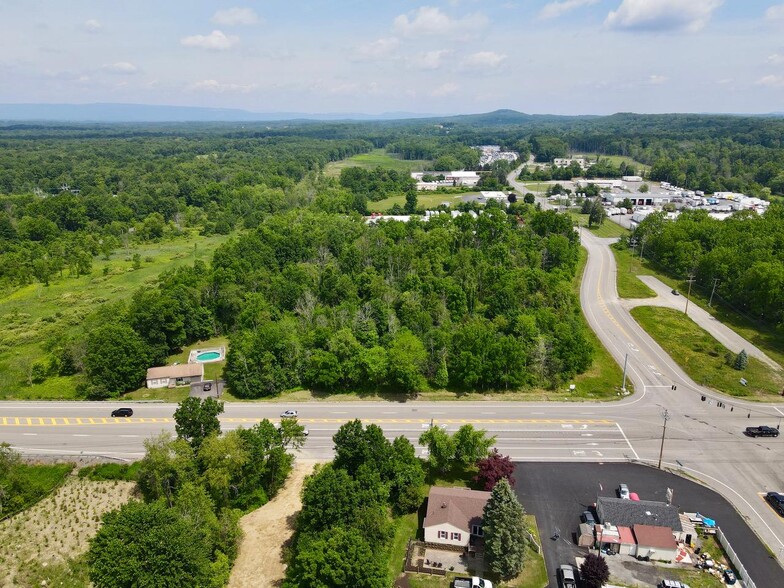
pixel 82 421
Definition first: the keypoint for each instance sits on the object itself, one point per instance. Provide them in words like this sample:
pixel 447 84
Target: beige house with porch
pixel 169 376
pixel 454 515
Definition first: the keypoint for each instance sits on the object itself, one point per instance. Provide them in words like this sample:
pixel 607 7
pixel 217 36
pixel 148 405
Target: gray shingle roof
pixel 627 513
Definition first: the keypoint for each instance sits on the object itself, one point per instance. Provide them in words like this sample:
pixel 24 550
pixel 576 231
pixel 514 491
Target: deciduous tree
pixel 594 571
pixel 493 468
pixel 197 418
pixel 147 545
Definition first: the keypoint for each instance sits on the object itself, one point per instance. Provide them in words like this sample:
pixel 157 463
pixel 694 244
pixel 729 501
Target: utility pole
pixel 691 279
pixel 666 417
pixel 625 362
pixel 715 283
pixel 642 249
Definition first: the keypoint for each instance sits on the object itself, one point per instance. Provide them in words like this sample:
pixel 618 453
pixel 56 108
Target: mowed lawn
pixel 703 358
pixel 607 229
pixel 377 158
pixel 427 200
pixel 767 338
pixel 31 315
pixel 618 159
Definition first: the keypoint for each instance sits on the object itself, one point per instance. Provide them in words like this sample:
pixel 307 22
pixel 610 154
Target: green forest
pixel 741 256
pixel 310 296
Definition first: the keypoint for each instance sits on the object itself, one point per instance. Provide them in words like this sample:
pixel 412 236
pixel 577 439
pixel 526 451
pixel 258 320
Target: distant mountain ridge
pixel 102 112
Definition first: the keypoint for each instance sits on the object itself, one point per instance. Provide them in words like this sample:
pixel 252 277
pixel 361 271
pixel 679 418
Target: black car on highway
pixel 762 431
pixel 776 501
pixel 122 412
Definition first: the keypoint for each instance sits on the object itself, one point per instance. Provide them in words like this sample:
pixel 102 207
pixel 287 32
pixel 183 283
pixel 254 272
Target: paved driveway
pixel 556 493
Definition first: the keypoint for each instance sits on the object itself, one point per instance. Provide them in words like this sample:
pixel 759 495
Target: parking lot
pixel 556 493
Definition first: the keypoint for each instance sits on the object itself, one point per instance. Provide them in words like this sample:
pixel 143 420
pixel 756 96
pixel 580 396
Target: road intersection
pixel 704 438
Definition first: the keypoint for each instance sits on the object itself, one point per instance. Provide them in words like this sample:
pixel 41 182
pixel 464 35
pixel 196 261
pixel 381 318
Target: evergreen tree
pixel 504 532
pixel 741 360
pixel 411 202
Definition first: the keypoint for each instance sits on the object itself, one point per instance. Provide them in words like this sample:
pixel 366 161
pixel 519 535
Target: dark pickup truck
pixel 762 431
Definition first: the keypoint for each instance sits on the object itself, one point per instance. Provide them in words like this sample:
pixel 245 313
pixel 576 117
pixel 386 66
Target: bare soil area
pixel 59 527
pixel 267 530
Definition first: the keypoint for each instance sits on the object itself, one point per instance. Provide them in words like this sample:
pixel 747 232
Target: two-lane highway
pixel 703 439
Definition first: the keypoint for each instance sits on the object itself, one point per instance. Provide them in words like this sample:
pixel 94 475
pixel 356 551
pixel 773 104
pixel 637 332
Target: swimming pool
pixel 207 355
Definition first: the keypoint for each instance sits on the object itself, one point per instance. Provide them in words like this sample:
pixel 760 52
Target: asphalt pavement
pixel 557 493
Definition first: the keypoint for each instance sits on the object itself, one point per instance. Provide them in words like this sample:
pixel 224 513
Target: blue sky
pixel 457 56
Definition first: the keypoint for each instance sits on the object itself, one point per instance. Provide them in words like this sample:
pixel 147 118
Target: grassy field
pixel 43 545
pixel 702 357
pixel 377 158
pixel 536 186
pixel 763 336
pixel 32 314
pixel 606 229
pixel 37 481
pixel 618 159
pixel 628 268
pixel 424 200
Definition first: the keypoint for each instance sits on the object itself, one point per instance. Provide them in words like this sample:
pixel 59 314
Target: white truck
pixel 472 582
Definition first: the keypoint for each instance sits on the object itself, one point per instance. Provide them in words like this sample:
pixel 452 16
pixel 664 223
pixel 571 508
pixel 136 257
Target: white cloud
pixel 216 41
pixel 430 60
pixel 556 9
pixel 775 13
pixel 662 15
pixel 775 59
pixel 655 80
pixel 379 49
pixel 429 20
pixel 771 81
pixel 444 90
pixel 219 88
pixel 235 16
pixel 121 67
pixel 484 60
pixel 92 26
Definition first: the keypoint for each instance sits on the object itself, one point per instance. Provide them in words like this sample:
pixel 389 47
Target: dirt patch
pixel 267 529
pixel 60 526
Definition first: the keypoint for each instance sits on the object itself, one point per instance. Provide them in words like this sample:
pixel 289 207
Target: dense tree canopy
pixel 335 304
pixel 741 255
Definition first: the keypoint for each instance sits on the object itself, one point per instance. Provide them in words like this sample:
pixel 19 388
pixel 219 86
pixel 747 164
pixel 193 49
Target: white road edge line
pixel 627 441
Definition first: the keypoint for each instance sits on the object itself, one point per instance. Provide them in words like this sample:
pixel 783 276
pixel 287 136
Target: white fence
pixel 744 575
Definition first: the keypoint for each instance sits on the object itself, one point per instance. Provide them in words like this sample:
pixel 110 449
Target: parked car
pixel 207 387
pixel 776 501
pixel 762 431
pixel 288 414
pixel 567 576
pixel 729 577
pixel 587 517
pixel 672 584
pixel 122 412
pixel 623 492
